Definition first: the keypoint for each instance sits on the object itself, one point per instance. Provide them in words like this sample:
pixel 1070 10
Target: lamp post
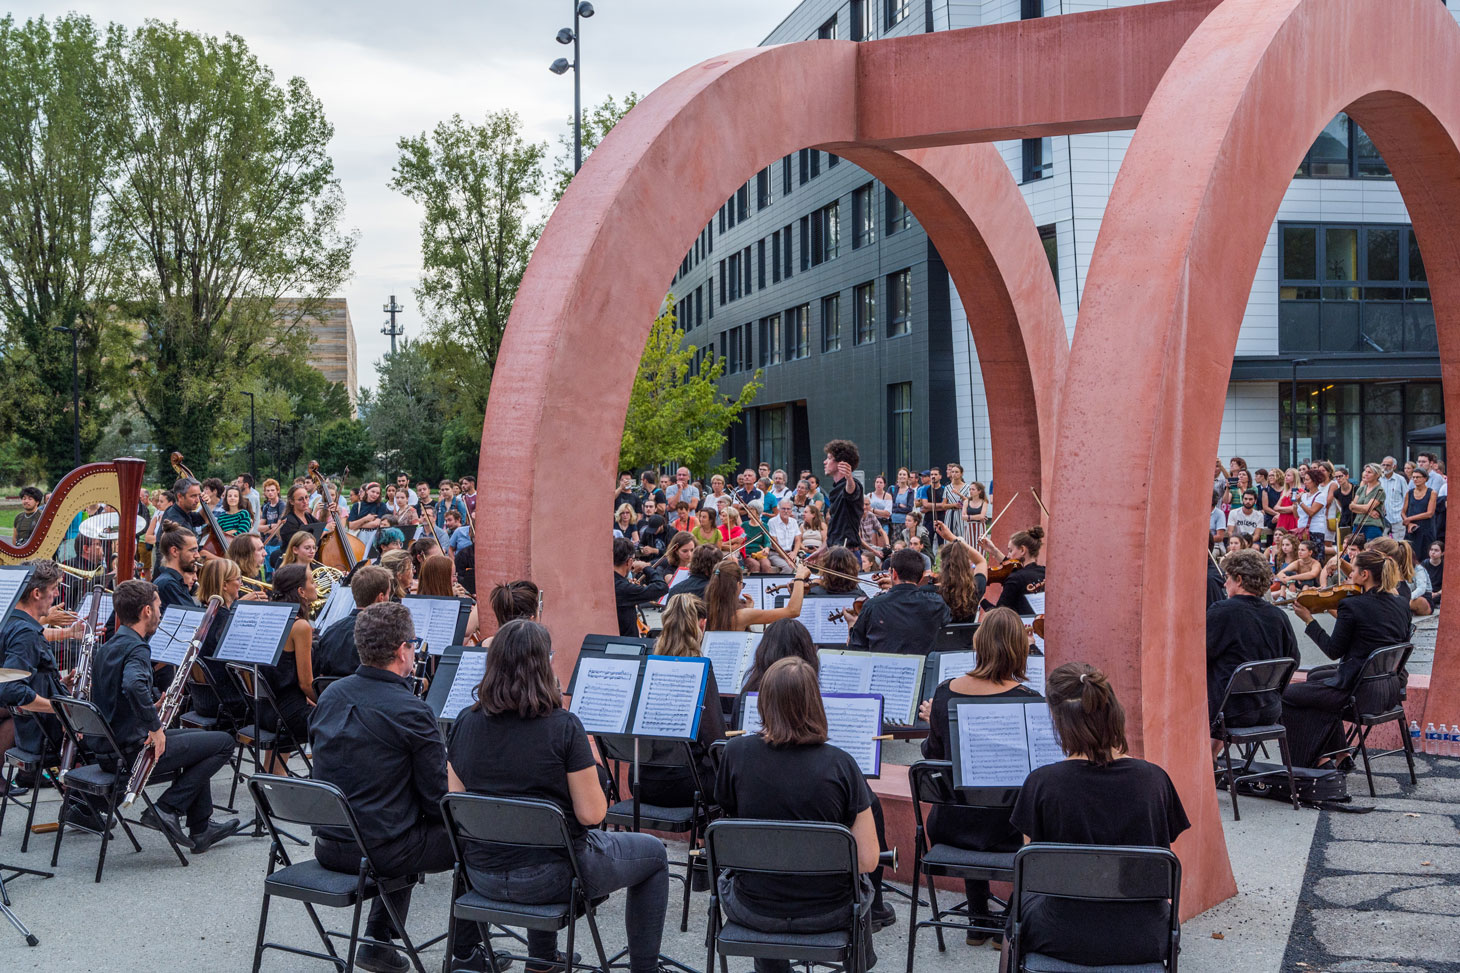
pixel 1293 445
pixel 582 9
pixel 75 394
pixel 253 456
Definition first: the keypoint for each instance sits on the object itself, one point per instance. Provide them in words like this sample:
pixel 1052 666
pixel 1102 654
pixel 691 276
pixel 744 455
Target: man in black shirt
pixel 178 552
pixel 844 499
pixel 1241 628
pixel 905 618
pixel 23 646
pixel 335 654
pixel 379 744
pixel 627 594
pixel 649 490
pixel 122 690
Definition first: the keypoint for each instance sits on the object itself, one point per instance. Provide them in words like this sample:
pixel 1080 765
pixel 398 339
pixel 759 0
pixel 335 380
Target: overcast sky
pixel 387 69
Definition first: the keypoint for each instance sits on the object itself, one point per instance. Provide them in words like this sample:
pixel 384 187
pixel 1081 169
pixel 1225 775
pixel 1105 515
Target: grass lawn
pixel 7 519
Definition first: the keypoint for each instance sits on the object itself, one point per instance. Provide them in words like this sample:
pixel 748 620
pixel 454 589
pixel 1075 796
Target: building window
pixel 776 257
pixel 731 282
pixel 710 293
pixel 896 212
pixel 763 188
pixel 1048 237
pixel 803 159
pixel 831 323
pixel 798 332
pixel 861 19
pixel 1343 151
pixel 895 12
pixel 772 437
pixel 899 303
pixel 786 251
pixel 832 159
pixel 760 263
pixel 805 243
pixel 1354 422
pixel 1038 159
pixel 864 217
pixel 1353 289
pixel 746 271
pixel 827 31
pixel 825 227
pixel 742 203
pixel 786 176
pixel 1031 9
pixel 723 288
pixel 699 307
pixel 770 340
pixel 864 298
pixel 899 425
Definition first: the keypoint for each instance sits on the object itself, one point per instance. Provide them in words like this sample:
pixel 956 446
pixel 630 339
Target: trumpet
pixel 255 584
pixel 91 575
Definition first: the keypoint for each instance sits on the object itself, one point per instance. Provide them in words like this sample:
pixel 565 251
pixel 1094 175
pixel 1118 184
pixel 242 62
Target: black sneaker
pixel 168 823
pixel 215 832
pixel 381 959
pixel 882 916
pixel 553 967
pixel 14 790
pixel 479 962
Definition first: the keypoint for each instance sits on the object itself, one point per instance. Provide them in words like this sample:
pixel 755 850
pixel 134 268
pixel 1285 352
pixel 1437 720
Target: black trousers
pixel 424 848
pixel 199 754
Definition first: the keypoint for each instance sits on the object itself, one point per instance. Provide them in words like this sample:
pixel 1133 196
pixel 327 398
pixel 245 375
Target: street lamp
pixel 1293 447
pixel 253 457
pixel 582 9
pixel 75 394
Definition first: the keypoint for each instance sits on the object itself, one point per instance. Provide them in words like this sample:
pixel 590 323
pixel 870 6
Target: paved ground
pixel 150 913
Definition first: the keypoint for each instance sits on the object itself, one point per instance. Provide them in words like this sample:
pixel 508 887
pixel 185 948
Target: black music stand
pixel 15 872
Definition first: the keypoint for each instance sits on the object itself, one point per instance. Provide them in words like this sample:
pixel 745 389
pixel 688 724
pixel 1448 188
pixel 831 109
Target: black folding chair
pixel 931 782
pixel 1254 682
pixel 787 849
pixel 18 761
pixel 1093 873
pixel 510 822
pixel 99 780
pixel 1382 664
pixel 316 804
pixel 633 815
pixel 268 732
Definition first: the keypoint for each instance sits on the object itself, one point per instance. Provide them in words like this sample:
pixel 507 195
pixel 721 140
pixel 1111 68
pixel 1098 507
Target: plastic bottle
pixel 1454 740
pixel 1432 742
pixel 1416 739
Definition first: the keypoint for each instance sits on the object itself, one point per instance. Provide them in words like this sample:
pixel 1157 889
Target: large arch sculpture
pixel 1198 191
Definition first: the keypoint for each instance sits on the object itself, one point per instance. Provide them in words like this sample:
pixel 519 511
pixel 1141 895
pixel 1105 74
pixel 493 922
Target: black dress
pixel 293 705
pixel 1423 534
pixel 974 828
pixel 675 786
pixel 1311 709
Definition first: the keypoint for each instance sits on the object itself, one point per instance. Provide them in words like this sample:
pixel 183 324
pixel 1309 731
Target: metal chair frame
pixel 1259 678
pixel 1361 724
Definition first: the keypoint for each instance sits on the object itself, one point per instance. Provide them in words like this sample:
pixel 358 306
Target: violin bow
pixel 760 523
pixel 990 528
pixel 1040 502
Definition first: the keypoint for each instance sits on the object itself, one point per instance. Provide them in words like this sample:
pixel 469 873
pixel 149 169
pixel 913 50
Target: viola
pixel 842 613
pixel 1037 626
pixel 1322 599
pixel 999 573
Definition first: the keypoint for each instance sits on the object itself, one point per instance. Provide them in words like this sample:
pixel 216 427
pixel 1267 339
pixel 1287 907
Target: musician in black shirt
pixel 23 646
pixel 844 499
pixel 1024 546
pixel 379 744
pixel 1245 628
pixel 122 690
pixel 1372 620
pixel 905 618
pixel 626 593
pixel 298 516
pixel 334 653
pixel 702 565
pixel 178 552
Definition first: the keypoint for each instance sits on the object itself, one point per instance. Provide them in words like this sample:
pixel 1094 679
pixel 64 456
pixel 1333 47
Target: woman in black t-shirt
pixel 684 629
pixel 1001 645
pixel 829 787
pixel 1098 796
pixel 292 680
pixel 517 741
pixel 1025 546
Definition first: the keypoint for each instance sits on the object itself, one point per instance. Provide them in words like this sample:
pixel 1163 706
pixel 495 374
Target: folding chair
pixel 1253 681
pixel 316 804
pixel 321 683
pixel 101 777
pixel 787 849
pixel 1381 664
pixel 267 732
pixel 931 782
pixel 622 814
pixel 1093 873
pixel 511 822
pixel 19 761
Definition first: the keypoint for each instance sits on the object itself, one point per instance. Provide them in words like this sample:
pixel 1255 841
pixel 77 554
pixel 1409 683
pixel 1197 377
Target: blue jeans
pixel 1371 532
pixel 609 860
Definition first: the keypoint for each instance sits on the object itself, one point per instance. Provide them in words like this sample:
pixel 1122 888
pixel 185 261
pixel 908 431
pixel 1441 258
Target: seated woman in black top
pixel 963 574
pixel 1023 546
pixel 828 786
pixel 292 680
pixel 684 628
pixel 1002 647
pixel 842 561
pixel 1372 620
pixel 517 741
pixel 1098 796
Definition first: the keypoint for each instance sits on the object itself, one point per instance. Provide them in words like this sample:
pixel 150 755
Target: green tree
pixel 598 121
pixel 227 209
pixel 346 444
pixel 675 415
pixel 405 415
pixel 55 160
pixel 477 185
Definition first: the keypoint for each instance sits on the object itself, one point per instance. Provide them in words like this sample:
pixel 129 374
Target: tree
pixel 346 444
pixel 674 415
pixel 598 121
pixel 227 210
pixel 55 160
pixel 476 184
pixel 404 415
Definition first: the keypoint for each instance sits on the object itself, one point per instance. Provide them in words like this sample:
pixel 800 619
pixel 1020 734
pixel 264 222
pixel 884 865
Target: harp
pixel 116 484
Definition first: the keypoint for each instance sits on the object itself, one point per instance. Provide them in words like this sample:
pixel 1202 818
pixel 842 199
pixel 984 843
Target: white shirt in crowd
pixel 784 531
pixel 1241 522
pixel 1394 487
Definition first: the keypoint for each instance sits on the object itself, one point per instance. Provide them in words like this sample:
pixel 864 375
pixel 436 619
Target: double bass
pixel 338 548
pixel 213 543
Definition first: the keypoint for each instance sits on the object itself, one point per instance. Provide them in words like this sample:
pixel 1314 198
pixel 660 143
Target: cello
pixel 213 543
pixel 339 549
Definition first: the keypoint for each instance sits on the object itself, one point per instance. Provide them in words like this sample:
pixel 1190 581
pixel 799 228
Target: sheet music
pixel 993 745
pixel 755 588
pixel 256 632
pixel 671 696
pixel 604 693
pixel 840 673
pixel 175 630
pixel 731 654
pixel 951 665
pixel 852 720
pixel 1036 601
pixel 11 581
pixel 83 610
pixel 869 587
pixel 464 684
pixel 679 576
pixel 1044 747
pixel 814 612
pixel 1034 673
pixel 367 537
pixel 898 679
pixel 337 605
pixel 435 620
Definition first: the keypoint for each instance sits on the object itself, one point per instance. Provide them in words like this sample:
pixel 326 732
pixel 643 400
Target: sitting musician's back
pixel 905 618
pixel 335 653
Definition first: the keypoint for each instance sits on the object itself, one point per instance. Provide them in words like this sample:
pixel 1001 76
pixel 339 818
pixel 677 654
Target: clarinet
pixel 171 703
pixel 81 689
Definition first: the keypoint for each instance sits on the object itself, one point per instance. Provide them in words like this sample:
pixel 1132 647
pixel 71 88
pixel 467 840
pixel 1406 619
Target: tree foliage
pixel 598 121
pixel 405 415
pixel 674 415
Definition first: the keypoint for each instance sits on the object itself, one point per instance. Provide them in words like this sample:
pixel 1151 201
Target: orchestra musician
pixel 247 551
pixel 23 646
pixel 844 563
pixel 178 553
pixel 123 691
pixel 438 579
pixel 515 599
pixel 702 564
pixel 292 680
pixel 627 595
pixel 676 556
pixel 728 612
pixel 906 618
pixel 221 577
pixel 963 576
pixel 334 654
pixel 1023 546
pixel 301 549
pixel 187 511
pixel 683 633
pixel 402 572
pixel 298 516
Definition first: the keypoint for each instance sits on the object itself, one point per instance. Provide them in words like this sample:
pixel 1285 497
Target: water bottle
pixel 1454 740
pixel 1432 744
pixel 1416 742
pixel 1442 740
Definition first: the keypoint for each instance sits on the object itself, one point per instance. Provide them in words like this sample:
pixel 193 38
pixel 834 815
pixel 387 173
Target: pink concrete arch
pixel 599 273
pixel 1164 300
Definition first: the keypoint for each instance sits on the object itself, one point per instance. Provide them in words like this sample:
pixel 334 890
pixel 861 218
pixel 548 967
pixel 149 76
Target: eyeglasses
pixel 415 644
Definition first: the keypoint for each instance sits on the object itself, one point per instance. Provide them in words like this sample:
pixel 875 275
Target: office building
pixel 332 343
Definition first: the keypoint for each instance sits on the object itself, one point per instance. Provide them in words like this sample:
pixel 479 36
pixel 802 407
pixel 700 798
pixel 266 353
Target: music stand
pixel 15 872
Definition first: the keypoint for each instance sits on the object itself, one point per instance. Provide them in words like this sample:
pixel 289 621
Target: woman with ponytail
pixel 683 632
pixel 1024 546
pixel 1365 622
pixel 727 613
pixel 1409 580
pixel 1098 795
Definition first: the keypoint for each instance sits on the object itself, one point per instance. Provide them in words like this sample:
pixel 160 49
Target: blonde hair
pixel 681 635
pixel 392 561
pixel 214 576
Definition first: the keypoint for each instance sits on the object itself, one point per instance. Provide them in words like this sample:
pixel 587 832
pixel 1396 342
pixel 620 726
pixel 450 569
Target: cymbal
pixel 104 526
pixel 13 675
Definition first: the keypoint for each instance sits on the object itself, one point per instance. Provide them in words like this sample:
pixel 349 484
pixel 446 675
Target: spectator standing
pixel 626 494
pixel 1367 506
pixel 30 514
pixel 683 489
pixel 1394 484
pixel 904 499
pixel 449 501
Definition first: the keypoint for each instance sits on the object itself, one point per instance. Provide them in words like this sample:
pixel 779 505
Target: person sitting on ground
pixel 1303 572
pixel 1341 565
pixel 1098 796
pixel 1434 566
pixel 517 741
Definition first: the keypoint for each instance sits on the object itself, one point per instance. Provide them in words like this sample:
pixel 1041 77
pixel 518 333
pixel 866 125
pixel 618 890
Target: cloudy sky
pixel 387 69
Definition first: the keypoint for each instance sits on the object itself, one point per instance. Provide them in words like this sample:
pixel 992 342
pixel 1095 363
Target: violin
pixel 776 589
pixel 842 613
pixel 1322 599
pixel 999 573
pixel 1037 626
